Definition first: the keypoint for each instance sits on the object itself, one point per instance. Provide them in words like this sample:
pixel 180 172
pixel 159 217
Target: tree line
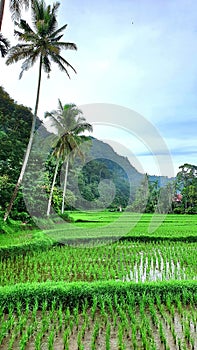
pixel 176 196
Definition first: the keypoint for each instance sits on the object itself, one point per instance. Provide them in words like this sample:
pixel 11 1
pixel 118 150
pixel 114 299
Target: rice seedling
pixel 95 334
pixel 107 337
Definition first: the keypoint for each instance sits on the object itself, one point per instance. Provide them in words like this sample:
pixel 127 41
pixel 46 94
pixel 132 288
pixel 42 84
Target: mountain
pixel 161 180
pixel 106 171
pixel 104 151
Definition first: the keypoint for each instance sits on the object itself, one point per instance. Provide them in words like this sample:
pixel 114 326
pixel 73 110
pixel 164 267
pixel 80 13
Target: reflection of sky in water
pixel 158 271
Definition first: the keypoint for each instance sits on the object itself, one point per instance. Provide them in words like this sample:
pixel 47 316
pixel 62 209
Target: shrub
pixel 178 210
pixel 65 216
pixel 191 210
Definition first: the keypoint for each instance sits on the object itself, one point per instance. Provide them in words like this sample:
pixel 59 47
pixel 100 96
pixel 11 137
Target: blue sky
pixel 139 54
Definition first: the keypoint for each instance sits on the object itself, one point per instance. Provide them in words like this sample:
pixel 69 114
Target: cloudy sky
pixel 138 54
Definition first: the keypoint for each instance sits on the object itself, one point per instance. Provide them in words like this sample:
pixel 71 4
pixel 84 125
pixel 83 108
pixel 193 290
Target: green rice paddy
pixel 105 281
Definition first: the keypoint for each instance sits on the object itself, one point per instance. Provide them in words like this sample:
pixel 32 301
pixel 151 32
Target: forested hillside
pixel 101 163
pixel 15 124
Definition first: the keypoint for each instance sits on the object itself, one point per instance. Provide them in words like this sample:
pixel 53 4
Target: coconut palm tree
pixel 15 8
pixel 43 43
pixel 4 45
pixel 70 125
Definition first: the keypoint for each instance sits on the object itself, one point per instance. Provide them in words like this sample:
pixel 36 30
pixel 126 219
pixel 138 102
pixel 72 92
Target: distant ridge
pixel 103 150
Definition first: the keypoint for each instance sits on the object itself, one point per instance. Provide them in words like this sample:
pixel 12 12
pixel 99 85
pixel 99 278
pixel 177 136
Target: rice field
pixel 124 261
pixel 106 325
pixel 118 295
pixel 115 225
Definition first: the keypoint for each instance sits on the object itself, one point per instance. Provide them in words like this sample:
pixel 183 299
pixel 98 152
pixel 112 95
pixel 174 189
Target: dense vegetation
pixel 15 125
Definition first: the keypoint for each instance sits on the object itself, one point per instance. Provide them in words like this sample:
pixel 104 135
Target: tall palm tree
pixel 70 125
pixel 15 8
pixel 4 45
pixel 43 43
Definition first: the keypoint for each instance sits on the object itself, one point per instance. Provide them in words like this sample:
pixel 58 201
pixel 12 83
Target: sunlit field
pixel 147 226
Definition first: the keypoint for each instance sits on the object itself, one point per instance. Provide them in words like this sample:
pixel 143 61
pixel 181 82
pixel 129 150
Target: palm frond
pixel 52 19
pixel 60 65
pixel 23 25
pixel 58 31
pixel 29 62
pixel 79 128
pixel 55 121
pixel 65 45
pixel 56 39
pixel 25 33
pixel 16 7
pixel 55 8
pixel 27 52
pixel 4 45
pixel 60 105
pixel 46 64
pixel 18 52
pixel 37 10
pixel 61 62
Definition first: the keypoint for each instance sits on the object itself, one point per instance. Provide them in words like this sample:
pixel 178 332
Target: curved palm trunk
pixel 65 184
pixel 28 147
pixel 2 4
pixel 52 187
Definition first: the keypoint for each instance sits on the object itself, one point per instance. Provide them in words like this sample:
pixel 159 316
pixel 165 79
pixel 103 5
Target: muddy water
pixel 155 270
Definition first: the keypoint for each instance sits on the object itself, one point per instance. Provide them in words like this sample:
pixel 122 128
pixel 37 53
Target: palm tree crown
pixel 70 124
pixel 43 42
